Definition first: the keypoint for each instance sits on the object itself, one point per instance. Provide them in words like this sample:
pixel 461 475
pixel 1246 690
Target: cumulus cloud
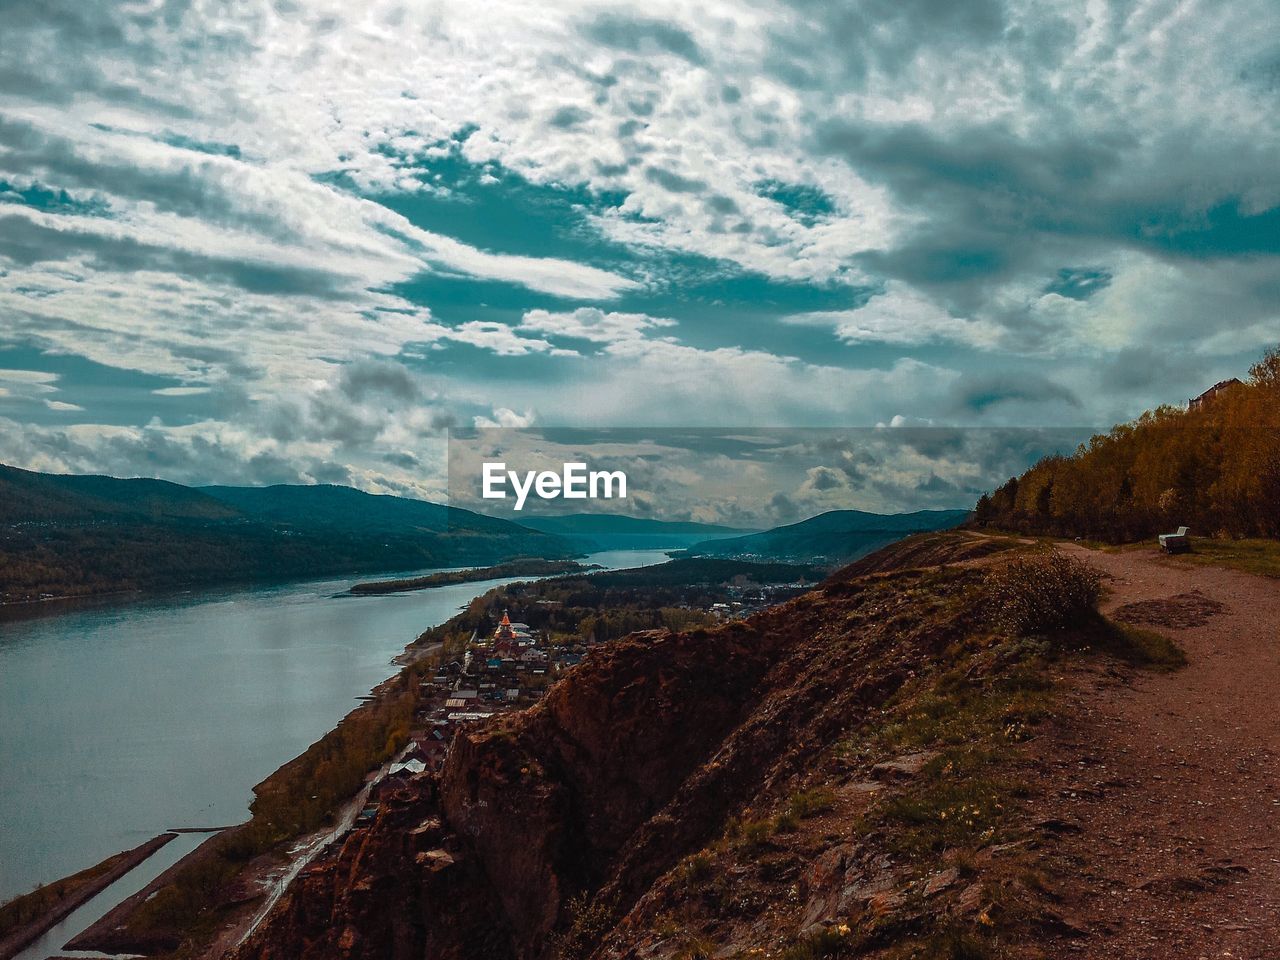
pixel 229 199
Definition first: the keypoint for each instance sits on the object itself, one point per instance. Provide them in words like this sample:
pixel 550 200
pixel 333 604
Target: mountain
pixel 606 531
pixel 329 507
pixel 43 498
pixel 80 535
pixel 836 536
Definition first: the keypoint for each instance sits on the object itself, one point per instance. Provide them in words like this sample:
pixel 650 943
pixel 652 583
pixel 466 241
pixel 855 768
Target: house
pixel 1196 403
pixel 410 767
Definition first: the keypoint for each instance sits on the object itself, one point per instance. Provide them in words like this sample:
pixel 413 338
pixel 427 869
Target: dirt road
pixel 1175 778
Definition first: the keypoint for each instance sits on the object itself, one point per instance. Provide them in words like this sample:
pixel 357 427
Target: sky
pixel 261 242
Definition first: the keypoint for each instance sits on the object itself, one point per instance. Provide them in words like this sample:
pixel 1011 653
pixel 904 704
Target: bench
pixel 1175 542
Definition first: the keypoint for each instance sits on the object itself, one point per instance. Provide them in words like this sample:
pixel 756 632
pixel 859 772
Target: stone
pixel 941 881
pixel 904 767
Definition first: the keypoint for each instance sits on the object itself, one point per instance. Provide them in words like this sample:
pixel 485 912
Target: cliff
pixel 769 782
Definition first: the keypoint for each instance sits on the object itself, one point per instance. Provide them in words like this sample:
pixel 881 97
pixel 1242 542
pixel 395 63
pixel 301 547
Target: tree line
pixel 1214 467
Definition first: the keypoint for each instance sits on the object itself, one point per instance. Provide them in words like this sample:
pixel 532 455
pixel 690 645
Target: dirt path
pixel 1175 778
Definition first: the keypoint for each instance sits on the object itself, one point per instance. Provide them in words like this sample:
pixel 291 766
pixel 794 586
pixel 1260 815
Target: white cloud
pixel 501 339
pixel 211 172
pixel 899 315
pixel 506 419
pixel 35 379
pixel 592 323
pixel 181 391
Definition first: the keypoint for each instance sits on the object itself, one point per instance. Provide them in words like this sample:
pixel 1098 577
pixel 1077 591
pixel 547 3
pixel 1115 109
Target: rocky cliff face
pixel 550 828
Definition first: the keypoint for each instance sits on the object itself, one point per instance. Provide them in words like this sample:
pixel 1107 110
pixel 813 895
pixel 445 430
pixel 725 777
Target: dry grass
pixel 1259 557
pixel 1038 594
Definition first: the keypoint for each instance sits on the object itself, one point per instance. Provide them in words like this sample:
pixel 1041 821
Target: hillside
pixel 1214 467
pixel 836 536
pixel 599 531
pixel 851 773
pixel 81 535
pixel 42 498
pixel 328 507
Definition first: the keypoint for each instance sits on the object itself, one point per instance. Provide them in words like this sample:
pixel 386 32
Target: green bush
pixel 810 803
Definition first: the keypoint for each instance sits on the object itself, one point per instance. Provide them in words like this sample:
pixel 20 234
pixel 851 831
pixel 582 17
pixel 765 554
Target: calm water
pixel 120 721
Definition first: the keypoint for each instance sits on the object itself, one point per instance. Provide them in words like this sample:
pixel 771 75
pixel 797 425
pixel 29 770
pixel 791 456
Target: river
pixel 121 720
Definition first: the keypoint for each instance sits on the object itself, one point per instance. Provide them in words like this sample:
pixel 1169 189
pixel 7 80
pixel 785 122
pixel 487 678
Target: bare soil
pixel 1174 778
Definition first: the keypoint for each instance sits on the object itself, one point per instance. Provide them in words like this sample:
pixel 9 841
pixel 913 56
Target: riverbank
pixel 143 688
pixel 25 918
pixel 530 567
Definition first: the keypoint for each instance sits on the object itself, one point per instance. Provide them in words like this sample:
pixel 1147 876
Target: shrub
pixel 810 803
pixel 1043 593
pixel 826 942
pixel 698 869
pixel 786 822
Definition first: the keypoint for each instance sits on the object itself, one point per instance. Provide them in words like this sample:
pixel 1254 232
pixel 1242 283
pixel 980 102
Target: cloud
pixel 898 315
pixel 644 35
pixel 251 201
pixel 592 323
pixel 978 393
pixel 502 339
pixel 505 419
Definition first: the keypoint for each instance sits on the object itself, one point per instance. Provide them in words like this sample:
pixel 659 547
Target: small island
pixel 522 567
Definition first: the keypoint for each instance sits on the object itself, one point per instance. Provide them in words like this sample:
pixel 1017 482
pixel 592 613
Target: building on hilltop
pixel 1196 403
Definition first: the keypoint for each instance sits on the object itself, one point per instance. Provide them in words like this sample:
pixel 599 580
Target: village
pixel 510 670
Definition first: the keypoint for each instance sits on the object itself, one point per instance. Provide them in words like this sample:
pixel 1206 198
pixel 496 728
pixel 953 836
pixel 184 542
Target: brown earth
pixel 636 812
pixel 1174 778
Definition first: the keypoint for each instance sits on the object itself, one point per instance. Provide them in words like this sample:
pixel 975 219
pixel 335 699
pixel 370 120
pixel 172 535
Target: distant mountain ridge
pixel 30 497
pixel 612 531
pixel 835 536
pixel 67 535
pixel 335 507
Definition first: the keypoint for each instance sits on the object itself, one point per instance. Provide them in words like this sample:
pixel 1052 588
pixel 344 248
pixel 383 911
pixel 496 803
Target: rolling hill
pixel 80 535
pixel 836 536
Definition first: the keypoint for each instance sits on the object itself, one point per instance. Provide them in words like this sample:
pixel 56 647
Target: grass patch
pixel 1261 557
pixel 949 717
pixel 754 835
pixel 828 942
pixel 1136 645
pixel 696 948
pixel 1149 648
pixel 786 822
pixel 810 803
pixel 951 943
pixel 698 869
pixel 957 803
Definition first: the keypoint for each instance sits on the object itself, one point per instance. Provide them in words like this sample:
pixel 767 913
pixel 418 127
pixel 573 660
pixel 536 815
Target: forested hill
pixel 1214 467
pixel 42 498
pixel 80 535
pixel 835 536
pixel 329 507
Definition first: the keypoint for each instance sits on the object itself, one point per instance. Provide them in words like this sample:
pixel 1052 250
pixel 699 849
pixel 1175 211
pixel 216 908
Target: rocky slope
pixel 839 773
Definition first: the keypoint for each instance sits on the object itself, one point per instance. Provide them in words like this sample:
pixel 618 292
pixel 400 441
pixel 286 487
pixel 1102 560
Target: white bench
pixel 1175 542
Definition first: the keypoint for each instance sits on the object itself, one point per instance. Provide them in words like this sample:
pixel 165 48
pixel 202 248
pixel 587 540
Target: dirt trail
pixel 1175 778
